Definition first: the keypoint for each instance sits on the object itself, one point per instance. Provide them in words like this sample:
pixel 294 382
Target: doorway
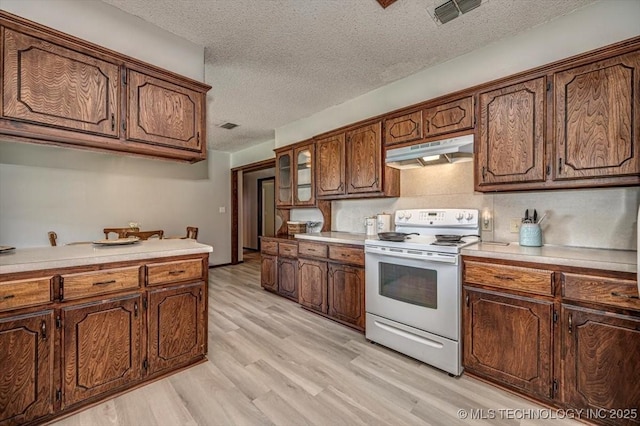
pixel 266 208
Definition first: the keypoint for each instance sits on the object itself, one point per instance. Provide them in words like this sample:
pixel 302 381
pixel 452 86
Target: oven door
pixel 418 292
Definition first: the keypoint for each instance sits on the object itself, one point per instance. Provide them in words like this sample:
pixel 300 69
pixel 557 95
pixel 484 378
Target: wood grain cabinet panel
pixel 176 326
pixel 288 249
pixel 330 166
pixel 288 278
pixel 598 119
pixel 175 272
pixel 163 113
pixel 269 247
pixel 509 338
pixel 312 284
pixel 102 347
pixel 601 366
pixel 346 294
pixel 86 284
pixel 22 293
pixel 269 272
pixel 530 280
pixel 450 117
pixel 318 250
pixel 26 367
pixel 52 84
pixel 511 131
pixel 284 178
pixel 364 159
pixel 614 292
pixel 354 256
pixel 406 128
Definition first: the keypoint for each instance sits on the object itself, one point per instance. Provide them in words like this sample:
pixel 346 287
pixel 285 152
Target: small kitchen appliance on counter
pixel 413 285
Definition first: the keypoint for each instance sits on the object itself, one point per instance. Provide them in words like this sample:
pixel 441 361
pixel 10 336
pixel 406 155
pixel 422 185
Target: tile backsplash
pixel 603 218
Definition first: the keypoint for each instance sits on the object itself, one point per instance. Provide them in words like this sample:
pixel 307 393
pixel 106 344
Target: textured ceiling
pixel 272 62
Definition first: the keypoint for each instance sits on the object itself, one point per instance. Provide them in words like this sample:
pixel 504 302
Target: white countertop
pixel 605 259
pixel 35 258
pixel 334 237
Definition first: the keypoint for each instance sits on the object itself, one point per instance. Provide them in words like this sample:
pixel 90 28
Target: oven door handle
pixel 430 257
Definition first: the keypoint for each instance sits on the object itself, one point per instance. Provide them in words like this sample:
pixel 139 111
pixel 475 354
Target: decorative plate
pixel 6 248
pixel 118 242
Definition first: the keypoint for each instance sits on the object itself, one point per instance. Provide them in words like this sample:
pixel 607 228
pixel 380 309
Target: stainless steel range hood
pixel 437 152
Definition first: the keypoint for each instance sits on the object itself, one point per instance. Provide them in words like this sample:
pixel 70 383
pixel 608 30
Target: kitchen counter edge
pixel 335 237
pixel 40 258
pixel 603 259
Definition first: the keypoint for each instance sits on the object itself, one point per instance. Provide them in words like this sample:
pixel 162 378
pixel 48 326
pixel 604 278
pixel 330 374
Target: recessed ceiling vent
pixel 228 126
pixel 454 8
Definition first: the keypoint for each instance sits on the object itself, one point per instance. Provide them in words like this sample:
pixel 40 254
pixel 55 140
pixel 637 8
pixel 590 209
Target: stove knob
pixel 459 216
pixel 408 215
pixel 400 215
pixel 469 216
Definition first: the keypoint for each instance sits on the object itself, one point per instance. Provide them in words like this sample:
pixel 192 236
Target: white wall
pixel 77 193
pixel 254 154
pixel 591 218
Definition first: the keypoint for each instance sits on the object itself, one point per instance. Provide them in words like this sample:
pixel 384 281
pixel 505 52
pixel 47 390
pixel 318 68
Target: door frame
pixel 235 200
pixel 260 182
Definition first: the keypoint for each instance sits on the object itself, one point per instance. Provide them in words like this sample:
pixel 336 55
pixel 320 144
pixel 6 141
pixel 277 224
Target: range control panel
pixel 437 217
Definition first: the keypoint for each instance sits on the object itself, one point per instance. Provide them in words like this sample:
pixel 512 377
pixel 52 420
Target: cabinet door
pixel 330 166
pixel 405 128
pixel 601 366
pixel 176 326
pixel 288 278
pixel 509 339
pixel 163 113
pixel 364 159
pixel 268 272
pixel 50 84
pixel 346 294
pixel 450 117
pixel 511 129
pixel 304 182
pixel 312 283
pixel 284 178
pixel 597 110
pixel 26 367
pixel 101 345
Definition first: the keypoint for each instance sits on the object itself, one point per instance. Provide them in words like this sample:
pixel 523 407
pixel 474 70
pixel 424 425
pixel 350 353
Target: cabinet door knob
pixel 570 323
pixel 43 330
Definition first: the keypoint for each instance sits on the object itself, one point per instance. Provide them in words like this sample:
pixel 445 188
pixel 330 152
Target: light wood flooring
pixel 271 362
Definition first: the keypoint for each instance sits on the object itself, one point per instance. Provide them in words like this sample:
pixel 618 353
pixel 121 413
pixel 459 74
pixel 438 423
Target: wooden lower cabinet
pixel 346 294
pixel 601 363
pixel 269 272
pixel 288 278
pixel 26 367
pixel 176 322
pixel 312 284
pixel 101 347
pixel 509 338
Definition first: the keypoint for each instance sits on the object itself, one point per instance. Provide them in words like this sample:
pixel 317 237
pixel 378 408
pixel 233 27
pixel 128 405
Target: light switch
pixel 222 209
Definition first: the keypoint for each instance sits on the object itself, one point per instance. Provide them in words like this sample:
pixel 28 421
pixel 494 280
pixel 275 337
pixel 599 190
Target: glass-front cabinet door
pixel 304 194
pixel 284 179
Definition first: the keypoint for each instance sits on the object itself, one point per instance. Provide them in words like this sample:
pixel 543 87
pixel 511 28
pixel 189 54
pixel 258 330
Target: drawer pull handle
pixel 504 277
pixel 181 271
pixel 625 296
pixel 105 282
pixel 7 297
pixel 570 323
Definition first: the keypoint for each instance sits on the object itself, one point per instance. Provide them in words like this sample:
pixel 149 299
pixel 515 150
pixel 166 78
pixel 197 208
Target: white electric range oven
pixel 413 287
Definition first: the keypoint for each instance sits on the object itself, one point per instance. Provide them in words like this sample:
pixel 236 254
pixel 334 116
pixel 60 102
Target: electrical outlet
pixel 487 224
pixel 514 225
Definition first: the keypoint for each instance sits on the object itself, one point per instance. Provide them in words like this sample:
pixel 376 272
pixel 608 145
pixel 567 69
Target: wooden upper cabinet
pixel 598 119
pixel 402 129
pixel 364 159
pixel 284 178
pixel 450 117
pixel 51 84
pixel 511 129
pixel 330 166
pixel 303 176
pixel 164 113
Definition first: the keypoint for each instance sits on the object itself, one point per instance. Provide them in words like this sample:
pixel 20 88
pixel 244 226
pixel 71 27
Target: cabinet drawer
pixel 170 272
pixel 351 255
pixel 312 249
pixel 607 291
pixel 269 247
pixel 21 293
pixel 530 280
pixel 85 284
pixel 288 250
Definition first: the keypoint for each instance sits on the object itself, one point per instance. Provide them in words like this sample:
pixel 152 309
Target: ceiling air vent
pixel 228 126
pixel 454 8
